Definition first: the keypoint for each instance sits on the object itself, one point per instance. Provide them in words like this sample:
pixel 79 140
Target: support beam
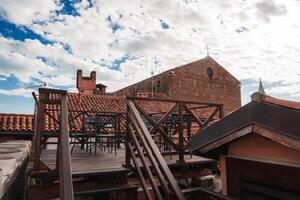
pixel 65 170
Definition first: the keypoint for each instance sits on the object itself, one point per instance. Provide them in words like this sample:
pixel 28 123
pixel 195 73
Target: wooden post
pixel 38 129
pixel 127 139
pixel 180 133
pixel 65 170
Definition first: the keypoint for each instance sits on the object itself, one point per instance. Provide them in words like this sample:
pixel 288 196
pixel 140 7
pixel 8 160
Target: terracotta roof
pixel 282 102
pixel 16 122
pixel 76 103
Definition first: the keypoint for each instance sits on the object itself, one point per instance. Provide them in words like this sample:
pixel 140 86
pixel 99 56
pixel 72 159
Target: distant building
pixel 203 80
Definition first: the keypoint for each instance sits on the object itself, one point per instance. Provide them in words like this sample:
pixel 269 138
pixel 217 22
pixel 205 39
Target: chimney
pixel 100 89
pixel 86 85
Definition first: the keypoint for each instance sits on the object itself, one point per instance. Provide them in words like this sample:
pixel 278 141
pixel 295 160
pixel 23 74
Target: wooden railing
pixel 173 128
pixel 145 152
pixel 140 145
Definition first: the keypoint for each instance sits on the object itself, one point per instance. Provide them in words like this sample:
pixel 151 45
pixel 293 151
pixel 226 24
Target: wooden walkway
pixel 103 162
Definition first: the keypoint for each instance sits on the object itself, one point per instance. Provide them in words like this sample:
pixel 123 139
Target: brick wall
pixel 193 82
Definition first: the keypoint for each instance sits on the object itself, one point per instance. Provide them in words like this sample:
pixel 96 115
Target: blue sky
pixel 47 41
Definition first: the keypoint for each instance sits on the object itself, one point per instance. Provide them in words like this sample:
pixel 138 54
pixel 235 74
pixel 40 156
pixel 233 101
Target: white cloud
pixel 25 12
pixel 268 50
pixel 17 92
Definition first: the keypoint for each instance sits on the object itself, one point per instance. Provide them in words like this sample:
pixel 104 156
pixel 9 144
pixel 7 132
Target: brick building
pixel 203 80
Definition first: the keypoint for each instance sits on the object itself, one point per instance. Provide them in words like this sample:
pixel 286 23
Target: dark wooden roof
pixel 273 113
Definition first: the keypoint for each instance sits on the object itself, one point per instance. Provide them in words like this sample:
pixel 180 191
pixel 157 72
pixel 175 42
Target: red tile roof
pixel 16 122
pixel 78 103
pixel 280 102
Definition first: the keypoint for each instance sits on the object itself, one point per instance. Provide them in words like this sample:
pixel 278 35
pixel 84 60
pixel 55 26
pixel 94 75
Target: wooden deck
pixel 103 162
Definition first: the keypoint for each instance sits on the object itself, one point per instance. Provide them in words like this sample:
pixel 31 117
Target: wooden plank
pixel 103 162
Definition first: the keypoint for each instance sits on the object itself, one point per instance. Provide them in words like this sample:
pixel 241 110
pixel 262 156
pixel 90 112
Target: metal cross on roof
pixel 207 49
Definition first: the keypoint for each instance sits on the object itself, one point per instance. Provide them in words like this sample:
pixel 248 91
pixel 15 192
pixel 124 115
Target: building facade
pixel 258 148
pixel 203 80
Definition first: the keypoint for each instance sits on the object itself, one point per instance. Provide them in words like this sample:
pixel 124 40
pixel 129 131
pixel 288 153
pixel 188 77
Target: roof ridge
pixel 258 96
pixel 17 114
pixel 96 95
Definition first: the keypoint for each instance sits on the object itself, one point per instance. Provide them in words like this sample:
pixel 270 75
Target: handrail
pixel 138 130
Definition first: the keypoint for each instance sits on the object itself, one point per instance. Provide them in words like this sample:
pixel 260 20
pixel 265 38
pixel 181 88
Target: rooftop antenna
pixel 36 86
pixel 152 74
pixel 207 49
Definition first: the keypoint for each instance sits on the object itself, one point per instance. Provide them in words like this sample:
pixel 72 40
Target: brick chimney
pixel 86 85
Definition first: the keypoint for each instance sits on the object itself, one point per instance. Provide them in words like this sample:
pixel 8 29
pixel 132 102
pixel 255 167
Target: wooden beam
pixel 161 120
pixel 279 137
pixel 173 101
pixel 65 169
pixel 225 139
pixel 211 116
pixel 165 136
pixel 187 108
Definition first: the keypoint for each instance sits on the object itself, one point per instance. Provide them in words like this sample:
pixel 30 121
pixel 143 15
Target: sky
pixel 48 40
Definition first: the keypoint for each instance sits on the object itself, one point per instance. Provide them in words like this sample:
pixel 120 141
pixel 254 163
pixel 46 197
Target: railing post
pixel 64 156
pixel 180 133
pixel 127 138
pixel 38 131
